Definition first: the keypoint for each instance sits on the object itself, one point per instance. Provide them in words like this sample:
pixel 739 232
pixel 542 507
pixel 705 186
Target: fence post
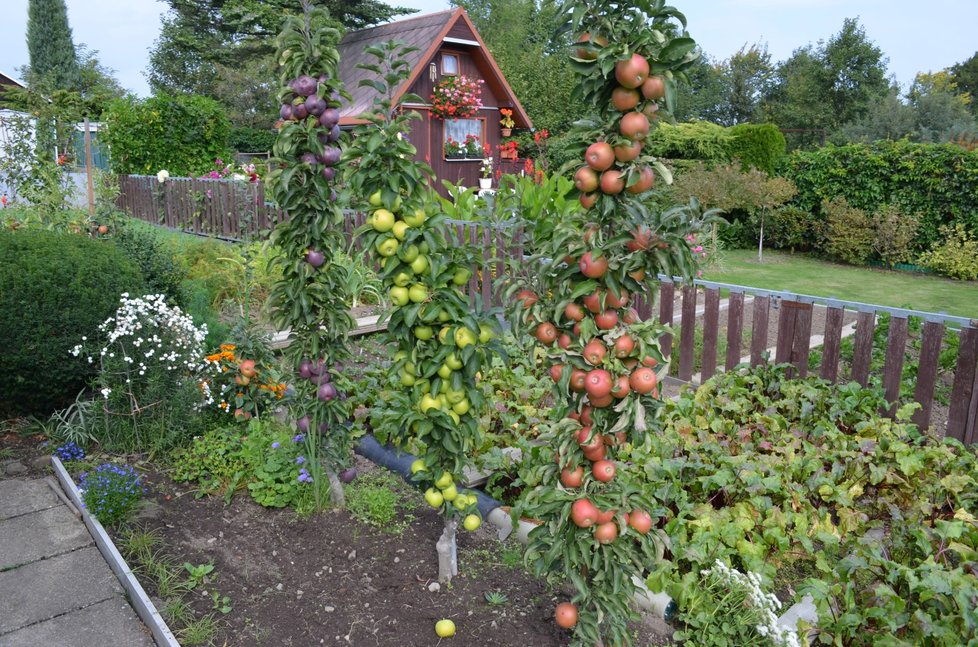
pixel 735 329
pixel 893 366
pixel 930 352
pixel 964 387
pixel 687 333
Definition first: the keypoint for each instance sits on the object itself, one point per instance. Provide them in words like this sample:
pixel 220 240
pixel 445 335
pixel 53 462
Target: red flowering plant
pixel 457 97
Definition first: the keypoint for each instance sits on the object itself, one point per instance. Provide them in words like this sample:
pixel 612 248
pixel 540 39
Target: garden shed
pixel 450 53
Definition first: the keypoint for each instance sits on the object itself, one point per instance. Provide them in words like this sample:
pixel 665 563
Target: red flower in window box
pixel 457 97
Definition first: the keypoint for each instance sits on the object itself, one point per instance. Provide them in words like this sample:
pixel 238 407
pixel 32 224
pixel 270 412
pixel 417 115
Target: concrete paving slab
pixel 21 497
pixel 111 623
pixel 34 536
pixel 52 587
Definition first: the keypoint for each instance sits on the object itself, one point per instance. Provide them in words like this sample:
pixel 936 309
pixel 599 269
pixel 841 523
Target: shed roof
pixel 427 33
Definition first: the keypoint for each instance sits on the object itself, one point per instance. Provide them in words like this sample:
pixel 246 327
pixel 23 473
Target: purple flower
pixel 275 445
pixel 304 476
pixel 299 438
pixel 300 460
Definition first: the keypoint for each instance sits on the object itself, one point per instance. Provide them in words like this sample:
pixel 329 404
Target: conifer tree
pixel 53 60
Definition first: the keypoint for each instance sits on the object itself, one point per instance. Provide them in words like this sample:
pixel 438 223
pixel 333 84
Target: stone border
pixel 144 607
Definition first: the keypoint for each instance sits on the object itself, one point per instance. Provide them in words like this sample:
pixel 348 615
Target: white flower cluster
pixel 765 603
pixel 147 333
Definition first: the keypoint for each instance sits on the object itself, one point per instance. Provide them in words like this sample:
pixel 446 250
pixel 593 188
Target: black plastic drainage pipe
pixel 400 462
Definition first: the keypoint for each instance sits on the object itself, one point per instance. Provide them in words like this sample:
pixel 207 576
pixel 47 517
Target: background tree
pixel 965 76
pixel 889 118
pixel 704 97
pixel 830 84
pixel 53 59
pixel 941 111
pixel 748 75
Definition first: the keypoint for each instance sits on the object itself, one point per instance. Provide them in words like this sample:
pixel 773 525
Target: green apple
pixel 408 253
pixel 383 220
pixel 428 403
pixel 462 407
pixel 386 247
pixel 472 522
pixel 444 481
pixel 444 333
pixel 396 204
pixel 450 493
pixel 453 362
pixel 424 333
pixel 407 379
pixel 399 355
pixel 444 372
pixel 424 384
pixel 410 368
pixel 444 316
pixel 376 199
pixel 454 397
pixel 462 276
pixel 455 417
pixel 418 293
pixel 485 333
pixel 418 466
pixel 445 628
pixel 464 337
pixel 442 399
pixel 416 219
pixel 401 279
pixel 400 229
pixel 461 502
pixel 434 497
pixel 399 296
pixel 420 264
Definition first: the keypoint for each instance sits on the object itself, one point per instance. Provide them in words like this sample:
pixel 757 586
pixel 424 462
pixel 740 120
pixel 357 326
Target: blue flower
pixel 275 445
pixel 299 438
pixel 300 460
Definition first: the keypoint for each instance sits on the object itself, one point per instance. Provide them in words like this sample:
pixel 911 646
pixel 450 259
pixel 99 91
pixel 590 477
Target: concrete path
pixel 55 586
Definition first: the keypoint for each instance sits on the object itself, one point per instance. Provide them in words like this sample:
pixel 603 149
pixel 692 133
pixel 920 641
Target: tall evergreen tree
pixel 53 60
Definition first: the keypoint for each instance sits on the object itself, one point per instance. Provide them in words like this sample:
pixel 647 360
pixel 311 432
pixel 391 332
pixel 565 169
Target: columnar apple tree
pixel 599 527
pixel 442 343
pixel 310 299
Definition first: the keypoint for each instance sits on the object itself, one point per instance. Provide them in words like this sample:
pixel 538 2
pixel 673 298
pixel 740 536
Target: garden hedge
pixel 54 288
pixel 760 146
pixel 182 134
pixel 935 182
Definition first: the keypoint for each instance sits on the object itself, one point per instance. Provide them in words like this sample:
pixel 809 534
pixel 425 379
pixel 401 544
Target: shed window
pixel 464 138
pixel 449 64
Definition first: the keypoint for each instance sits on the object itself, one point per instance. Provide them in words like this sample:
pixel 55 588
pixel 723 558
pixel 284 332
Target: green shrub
pixel 849 232
pixel 150 254
pixel 895 235
pixel 957 256
pixel 760 146
pixel 934 181
pixel 215 460
pixel 181 134
pixel 54 289
pixel 697 140
pixel 791 228
pixel 251 140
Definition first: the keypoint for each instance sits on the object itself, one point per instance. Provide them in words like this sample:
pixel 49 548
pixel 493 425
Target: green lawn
pixel 804 275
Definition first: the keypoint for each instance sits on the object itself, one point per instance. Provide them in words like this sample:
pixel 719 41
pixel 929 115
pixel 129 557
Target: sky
pixel 915 37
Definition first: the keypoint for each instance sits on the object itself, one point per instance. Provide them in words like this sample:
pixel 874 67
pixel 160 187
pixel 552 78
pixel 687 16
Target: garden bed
pixel 333 579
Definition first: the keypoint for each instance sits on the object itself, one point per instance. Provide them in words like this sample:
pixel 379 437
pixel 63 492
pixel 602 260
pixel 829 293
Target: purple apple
pixel 329 118
pixel 305 85
pixel 334 134
pixel 305 366
pixel 326 392
pixel 315 258
pixel 315 105
pixel 286 112
pixel 309 158
pixel 348 475
pixel 331 155
pixel 302 424
pixel 329 173
pixel 300 111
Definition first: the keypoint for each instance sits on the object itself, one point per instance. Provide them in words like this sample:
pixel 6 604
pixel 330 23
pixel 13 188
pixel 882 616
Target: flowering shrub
pixel 111 492
pixel 69 451
pixel 507 120
pixel 453 148
pixel 280 469
pixel 241 386
pixel 150 366
pixel 457 97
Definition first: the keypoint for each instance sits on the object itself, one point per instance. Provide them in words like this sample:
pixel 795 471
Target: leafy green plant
pixel 220 603
pixel 377 499
pixel 956 256
pixel 41 274
pixel 496 598
pixel 144 248
pixel 804 483
pixel 849 232
pixel 197 575
pixel 895 234
pixel 214 460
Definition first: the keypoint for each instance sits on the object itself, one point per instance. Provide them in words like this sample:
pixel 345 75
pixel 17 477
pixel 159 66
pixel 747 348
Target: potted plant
pixel 506 122
pixel 472 149
pixel 454 149
pixel 507 150
pixel 456 97
pixel 485 182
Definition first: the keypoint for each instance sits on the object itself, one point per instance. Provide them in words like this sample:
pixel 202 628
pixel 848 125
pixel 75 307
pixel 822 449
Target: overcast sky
pixel 916 37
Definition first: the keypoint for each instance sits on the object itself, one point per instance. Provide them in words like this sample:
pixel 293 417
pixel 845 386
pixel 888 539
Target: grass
pixel 805 275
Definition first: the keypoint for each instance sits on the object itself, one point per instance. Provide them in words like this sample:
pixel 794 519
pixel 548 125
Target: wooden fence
pixel 227 212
